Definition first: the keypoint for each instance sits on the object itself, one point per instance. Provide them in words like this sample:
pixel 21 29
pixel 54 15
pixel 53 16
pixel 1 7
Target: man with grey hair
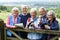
pixel 24 16
pixel 42 17
pixel 43 20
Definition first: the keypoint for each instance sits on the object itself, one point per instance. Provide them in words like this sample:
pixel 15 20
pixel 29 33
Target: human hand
pixel 32 24
pixel 13 26
pixel 47 27
pixel 40 22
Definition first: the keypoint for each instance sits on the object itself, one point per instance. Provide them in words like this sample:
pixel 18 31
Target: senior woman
pixel 12 19
pixel 52 23
pixel 32 23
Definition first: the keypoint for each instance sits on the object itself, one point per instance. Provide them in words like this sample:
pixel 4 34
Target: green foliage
pixel 3 8
pixel 7 9
pixel 0 11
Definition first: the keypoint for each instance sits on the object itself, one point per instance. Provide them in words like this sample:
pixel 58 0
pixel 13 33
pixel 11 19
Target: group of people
pixel 46 20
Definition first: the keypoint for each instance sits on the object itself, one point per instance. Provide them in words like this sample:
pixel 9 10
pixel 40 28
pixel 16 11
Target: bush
pixel 0 11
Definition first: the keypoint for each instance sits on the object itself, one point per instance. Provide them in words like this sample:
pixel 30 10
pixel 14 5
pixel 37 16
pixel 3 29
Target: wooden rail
pixel 54 32
pixel 4 37
pixel 2 29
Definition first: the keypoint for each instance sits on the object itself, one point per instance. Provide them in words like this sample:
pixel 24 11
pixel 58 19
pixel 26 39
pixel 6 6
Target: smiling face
pixel 42 12
pixel 33 14
pixel 50 17
pixel 15 13
pixel 24 10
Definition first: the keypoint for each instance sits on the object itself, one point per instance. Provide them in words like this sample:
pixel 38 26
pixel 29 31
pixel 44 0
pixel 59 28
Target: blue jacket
pixel 54 25
pixel 12 23
pixel 44 21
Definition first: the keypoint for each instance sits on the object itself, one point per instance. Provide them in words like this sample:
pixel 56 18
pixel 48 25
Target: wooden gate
pixel 4 37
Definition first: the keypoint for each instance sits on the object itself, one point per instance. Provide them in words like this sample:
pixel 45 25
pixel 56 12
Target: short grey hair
pixel 15 8
pixel 23 6
pixel 51 12
pixel 42 8
pixel 33 10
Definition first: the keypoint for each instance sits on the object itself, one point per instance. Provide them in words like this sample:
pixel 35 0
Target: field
pixel 4 14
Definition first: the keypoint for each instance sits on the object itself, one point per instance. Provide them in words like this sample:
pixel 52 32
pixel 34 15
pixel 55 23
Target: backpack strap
pixel 32 21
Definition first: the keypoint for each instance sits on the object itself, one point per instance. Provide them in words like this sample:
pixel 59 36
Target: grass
pixel 3 15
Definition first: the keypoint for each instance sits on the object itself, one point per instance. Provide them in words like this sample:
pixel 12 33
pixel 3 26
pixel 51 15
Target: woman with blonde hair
pixel 12 19
pixel 32 23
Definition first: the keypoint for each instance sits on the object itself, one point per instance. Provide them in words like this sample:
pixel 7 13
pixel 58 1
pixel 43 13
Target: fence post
pixel 2 29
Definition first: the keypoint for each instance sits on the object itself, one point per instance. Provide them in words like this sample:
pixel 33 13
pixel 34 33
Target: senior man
pixel 24 16
pixel 43 19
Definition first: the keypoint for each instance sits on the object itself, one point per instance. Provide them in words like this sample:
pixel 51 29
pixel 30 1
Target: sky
pixel 29 0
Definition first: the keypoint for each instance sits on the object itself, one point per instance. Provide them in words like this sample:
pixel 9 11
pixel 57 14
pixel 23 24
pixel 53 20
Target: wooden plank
pixel 0 34
pixel 1 29
pixel 54 38
pixel 14 38
pixel 54 32
pixel 5 34
pixel 15 34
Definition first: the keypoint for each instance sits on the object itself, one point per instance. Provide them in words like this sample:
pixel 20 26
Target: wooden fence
pixel 2 25
pixel 4 37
